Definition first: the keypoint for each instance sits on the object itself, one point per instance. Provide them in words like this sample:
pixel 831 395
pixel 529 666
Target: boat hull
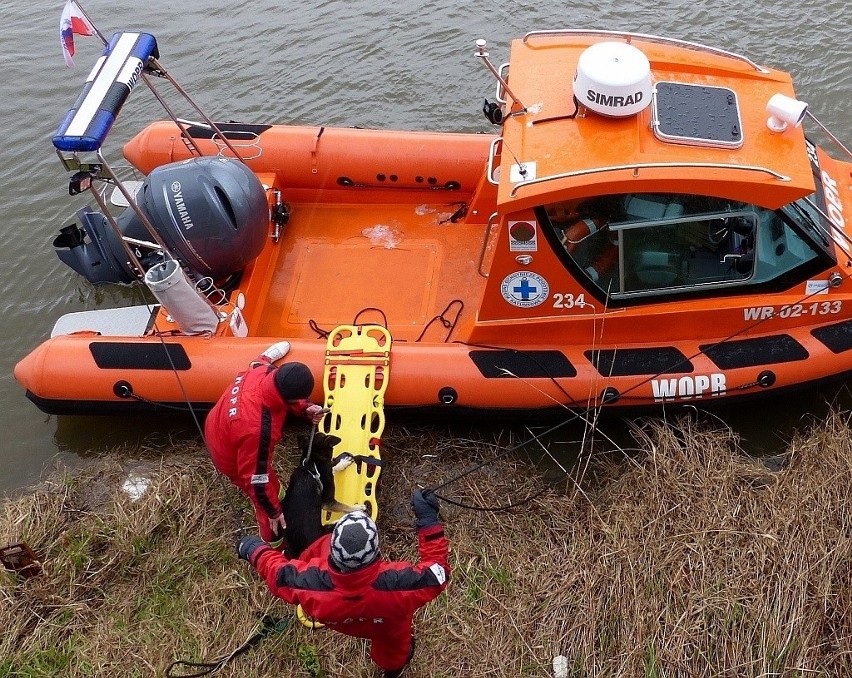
pixel 92 374
pixel 724 285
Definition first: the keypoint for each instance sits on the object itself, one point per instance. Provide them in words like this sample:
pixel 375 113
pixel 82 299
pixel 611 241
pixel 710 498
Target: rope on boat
pixel 371 308
pixel 267 623
pixel 239 524
pixel 573 414
pixel 449 325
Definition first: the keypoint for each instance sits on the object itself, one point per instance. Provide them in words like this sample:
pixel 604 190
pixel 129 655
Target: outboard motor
pixel 210 212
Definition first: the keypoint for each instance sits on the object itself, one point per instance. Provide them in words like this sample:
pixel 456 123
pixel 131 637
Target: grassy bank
pixel 685 559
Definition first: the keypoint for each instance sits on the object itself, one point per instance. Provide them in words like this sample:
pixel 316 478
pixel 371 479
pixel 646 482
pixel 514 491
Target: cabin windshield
pixel 641 244
pixel 806 213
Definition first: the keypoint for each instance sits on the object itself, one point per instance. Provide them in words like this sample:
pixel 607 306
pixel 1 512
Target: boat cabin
pixel 631 247
pixel 653 172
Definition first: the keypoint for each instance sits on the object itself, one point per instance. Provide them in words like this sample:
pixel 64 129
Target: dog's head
pixel 322 448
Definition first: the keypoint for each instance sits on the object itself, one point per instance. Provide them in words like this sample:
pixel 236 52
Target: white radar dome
pixel 614 79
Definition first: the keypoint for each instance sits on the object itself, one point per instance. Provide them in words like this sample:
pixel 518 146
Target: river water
pixel 405 65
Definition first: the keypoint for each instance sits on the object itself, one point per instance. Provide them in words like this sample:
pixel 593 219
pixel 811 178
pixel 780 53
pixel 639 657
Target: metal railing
pixel 825 129
pixel 627 36
pixel 492 153
pixel 486 240
pixel 650 165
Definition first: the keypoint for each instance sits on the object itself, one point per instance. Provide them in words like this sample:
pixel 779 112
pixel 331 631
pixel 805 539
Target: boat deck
pixel 396 264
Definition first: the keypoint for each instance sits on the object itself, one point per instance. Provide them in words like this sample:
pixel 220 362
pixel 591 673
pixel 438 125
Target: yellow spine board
pixel 355 378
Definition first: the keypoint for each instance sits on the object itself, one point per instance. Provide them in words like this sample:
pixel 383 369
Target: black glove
pixel 425 508
pixel 248 545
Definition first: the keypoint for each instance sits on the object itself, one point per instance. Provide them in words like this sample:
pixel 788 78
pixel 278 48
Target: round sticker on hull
pixel 521 231
pixel 524 289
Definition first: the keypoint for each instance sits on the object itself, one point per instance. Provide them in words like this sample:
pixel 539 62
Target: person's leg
pixel 226 464
pixel 274 539
pixel 393 652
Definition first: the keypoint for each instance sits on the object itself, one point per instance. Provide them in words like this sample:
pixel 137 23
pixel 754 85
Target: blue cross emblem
pixel 525 290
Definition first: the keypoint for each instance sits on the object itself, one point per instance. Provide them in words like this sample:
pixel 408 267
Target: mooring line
pixel 581 414
pixel 239 524
pixel 572 406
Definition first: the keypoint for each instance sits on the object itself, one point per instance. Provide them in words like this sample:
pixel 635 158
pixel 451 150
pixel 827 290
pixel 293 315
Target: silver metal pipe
pixel 485 242
pixel 826 130
pixel 650 165
pixel 648 38
pixel 197 108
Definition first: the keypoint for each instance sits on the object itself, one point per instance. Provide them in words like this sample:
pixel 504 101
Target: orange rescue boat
pixel 649 224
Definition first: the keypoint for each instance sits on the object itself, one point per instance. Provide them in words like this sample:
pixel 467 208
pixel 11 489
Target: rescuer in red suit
pixel 246 423
pixel 342 581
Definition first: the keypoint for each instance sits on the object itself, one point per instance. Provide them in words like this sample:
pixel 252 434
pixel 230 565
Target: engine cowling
pixel 211 213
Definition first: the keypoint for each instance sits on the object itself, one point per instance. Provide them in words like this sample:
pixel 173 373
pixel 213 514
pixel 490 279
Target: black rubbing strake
pixel 780 348
pixel 627 362
pixel 116 355
pixel 837 338
pixel 526 364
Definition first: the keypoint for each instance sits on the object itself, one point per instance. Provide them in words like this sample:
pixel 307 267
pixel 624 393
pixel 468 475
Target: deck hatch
pixel 729 355
pixel 696 115
pixel 837 338
pixel 628 362
pixel 523 364
pixel 116 355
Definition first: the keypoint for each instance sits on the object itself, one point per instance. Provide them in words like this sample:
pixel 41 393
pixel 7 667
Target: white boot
pixel 276 351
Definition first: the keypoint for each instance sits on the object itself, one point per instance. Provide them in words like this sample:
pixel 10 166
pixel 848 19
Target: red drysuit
pixel 377 601
pixel 241 432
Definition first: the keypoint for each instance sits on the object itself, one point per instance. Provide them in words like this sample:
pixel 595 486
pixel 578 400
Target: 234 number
pixel 568 300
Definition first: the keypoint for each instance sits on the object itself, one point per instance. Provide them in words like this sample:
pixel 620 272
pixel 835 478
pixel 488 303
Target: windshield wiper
pixel 815 225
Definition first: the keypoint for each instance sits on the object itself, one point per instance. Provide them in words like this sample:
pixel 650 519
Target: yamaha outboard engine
pixel 210 212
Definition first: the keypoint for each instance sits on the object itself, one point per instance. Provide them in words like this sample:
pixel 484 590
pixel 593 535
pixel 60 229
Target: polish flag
pixel 72 22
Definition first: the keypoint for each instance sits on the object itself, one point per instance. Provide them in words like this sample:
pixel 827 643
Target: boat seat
pixel 650 209
pixel 657 269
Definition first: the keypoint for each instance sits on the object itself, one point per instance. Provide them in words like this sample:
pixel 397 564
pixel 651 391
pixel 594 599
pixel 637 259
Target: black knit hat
pixel 354 542
pixel 294 381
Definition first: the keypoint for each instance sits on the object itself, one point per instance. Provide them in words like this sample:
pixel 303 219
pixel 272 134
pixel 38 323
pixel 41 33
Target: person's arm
pixel 287 579
pixel 432 543
pixel 414 585
pixel 306 409
pixel 266 561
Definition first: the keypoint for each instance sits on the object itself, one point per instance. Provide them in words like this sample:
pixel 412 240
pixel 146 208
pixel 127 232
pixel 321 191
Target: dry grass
pixel 689 559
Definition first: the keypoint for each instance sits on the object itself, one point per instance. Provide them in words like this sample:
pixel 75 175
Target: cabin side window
pixel 641 244
pixel 582 229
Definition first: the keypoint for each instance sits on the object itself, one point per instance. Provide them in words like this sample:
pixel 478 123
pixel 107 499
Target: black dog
pixel 311 489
